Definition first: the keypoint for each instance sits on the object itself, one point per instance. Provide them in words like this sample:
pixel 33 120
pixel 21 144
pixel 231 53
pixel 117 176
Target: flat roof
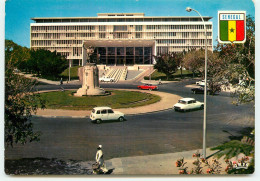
pixel 120 14
pixel 111 17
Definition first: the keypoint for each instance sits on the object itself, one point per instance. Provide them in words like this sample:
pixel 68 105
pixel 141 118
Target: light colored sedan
pixel 99 114
pixel 186 104
pixel 106 79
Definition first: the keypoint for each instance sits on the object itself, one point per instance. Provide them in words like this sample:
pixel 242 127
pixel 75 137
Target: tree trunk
pixel 181 72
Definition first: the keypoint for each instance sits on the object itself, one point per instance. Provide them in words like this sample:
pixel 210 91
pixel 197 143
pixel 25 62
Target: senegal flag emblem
pixel 232 26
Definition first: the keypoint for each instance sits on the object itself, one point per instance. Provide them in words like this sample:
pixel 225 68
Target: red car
pixel 148 87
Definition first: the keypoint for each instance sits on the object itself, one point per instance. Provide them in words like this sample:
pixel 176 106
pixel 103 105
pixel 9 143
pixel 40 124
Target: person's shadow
pixel 110 171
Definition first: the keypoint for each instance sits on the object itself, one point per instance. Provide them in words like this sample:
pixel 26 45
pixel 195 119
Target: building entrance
pixel 125 52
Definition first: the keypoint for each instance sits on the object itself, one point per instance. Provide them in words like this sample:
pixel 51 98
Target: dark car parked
pixel 200 90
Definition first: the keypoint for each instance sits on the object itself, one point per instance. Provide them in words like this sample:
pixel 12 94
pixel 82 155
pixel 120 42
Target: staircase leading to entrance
pixel 117 73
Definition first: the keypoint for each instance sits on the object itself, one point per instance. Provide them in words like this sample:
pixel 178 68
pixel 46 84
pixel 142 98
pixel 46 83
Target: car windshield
pixel 182 102
pixel 93 110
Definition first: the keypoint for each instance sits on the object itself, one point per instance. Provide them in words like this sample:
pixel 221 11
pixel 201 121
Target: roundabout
pixel 128 101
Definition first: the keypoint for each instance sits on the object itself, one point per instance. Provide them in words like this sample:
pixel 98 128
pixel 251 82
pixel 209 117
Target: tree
pixel 16 54
pixel 46 63
pixel 194 61
pixel 167 63
pixel 20 102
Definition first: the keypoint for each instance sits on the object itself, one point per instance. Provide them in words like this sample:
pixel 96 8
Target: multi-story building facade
pixel 120 38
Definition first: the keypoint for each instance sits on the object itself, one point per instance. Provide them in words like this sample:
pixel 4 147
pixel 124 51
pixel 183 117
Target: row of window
pixel 120 35
pixel 119 51
pixel 181 27
pixel 165 49
pixel 183 41
pixel 79 42
pixel 61 28
pixel 120 60
pixel 55 42
pixel 119 27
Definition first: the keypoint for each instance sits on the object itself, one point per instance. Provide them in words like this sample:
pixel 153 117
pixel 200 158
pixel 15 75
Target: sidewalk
pixel 49 81
pixel 160 164
pixel 156 82
pixel 166 102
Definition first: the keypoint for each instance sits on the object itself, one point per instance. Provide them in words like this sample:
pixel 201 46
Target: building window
pixel 139 51
pixel 102 28
pixel 120 28
pixel 138 27
pixel 129 51
pixel 147 50
pixel 111 50
pixel 120 35
pixel 120 51
pixel 102 35
pixel 102 50
pixel 138 35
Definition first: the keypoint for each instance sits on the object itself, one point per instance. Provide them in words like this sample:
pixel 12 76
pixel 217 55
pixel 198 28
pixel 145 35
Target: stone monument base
pixel 90 92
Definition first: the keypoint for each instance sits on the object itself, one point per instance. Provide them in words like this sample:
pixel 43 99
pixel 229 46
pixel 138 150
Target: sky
pixel 19 12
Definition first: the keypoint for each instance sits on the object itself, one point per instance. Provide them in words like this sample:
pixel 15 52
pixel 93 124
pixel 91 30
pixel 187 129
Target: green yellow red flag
pixel 232 27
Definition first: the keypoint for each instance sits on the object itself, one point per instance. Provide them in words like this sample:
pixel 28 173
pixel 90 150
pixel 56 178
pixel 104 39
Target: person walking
pixel 61 82
pixel 100 159
pixel 160 81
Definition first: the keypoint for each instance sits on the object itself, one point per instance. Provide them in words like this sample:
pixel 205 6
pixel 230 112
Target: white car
pixel 106 79
pixel 99 114
pixel 201 83
pixel 186 104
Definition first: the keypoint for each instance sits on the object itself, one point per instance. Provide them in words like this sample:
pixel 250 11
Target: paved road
pixel 154 133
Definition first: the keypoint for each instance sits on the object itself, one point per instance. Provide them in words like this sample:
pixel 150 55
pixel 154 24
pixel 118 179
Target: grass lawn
pixel 117 99
pixel 73 73
pixel 159 75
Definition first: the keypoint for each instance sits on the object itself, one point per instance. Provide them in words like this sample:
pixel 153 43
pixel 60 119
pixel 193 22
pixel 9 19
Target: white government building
pixel 120 38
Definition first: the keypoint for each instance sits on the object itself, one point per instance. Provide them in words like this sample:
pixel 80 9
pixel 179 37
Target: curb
pixel 48 116
pixel 150 112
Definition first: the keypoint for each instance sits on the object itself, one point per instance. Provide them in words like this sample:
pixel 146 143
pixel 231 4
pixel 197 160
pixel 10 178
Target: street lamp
pixel 69 69
pixel 205 86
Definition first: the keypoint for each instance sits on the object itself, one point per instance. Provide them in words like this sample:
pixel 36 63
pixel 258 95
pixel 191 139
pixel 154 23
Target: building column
pixel 143 54
pixel 115 54
pixel 106 55
pixel 134 55
pixel 154 52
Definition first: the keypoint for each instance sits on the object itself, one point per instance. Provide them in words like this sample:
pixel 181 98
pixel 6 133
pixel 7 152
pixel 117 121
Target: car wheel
pixel 98 121
pixel 202 107
pixel 121 119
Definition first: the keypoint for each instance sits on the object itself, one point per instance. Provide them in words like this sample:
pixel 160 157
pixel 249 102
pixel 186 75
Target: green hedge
pixel 159 75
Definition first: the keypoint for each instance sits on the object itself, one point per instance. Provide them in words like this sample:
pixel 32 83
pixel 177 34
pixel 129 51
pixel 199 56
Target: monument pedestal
pixel 90 81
